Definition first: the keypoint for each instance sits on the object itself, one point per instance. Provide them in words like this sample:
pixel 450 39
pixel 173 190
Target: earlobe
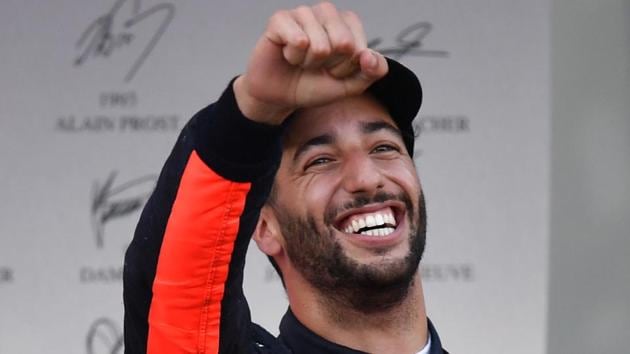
pixel 267 233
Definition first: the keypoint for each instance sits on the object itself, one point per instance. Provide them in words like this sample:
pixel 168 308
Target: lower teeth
pixel 378 232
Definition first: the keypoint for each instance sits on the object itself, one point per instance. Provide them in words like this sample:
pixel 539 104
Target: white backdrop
pixel 94 94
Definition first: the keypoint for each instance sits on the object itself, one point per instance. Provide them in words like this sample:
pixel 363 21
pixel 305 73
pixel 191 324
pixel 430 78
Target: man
pixel 310 152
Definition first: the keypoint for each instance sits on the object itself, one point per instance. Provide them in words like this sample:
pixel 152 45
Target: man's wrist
pixel 256 110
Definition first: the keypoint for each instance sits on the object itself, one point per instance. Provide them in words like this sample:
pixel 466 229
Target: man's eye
pixel 318 161
pixel 385 148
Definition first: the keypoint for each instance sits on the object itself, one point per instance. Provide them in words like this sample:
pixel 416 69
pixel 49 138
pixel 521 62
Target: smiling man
pixel 310 153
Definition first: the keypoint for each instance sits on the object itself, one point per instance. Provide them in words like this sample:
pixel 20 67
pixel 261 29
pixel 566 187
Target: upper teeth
pixel 383 219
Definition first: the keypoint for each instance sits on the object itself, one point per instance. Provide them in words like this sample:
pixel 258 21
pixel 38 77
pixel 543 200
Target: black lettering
pixel 159 123
pixel 128 123
pixel 453 272
pixel 118 99
pixel 463 124
pixel 100 275
pixel 148 123
pixel 432 272
pixel 173 123
pixel 98 123
pixel 443 124
pixel 124 123
pixel 447 272
pixel 6 275
pixel 467 272
pixel 66 123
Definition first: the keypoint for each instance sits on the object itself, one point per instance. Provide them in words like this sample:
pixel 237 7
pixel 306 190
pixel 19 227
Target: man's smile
pixel 374 226
pixel 379 223
pixel 378 219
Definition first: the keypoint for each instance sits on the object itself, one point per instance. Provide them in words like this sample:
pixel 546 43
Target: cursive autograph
pixel 105 208
pixel 104 334
pixel 408 42
pixel 109 33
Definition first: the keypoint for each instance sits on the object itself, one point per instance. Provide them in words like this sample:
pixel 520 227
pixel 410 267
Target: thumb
pixel 373 66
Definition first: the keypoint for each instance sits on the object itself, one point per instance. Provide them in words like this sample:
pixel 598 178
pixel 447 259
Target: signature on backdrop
pixel 104 337
pixel 119 27
pixel 408 42
pixel 111 201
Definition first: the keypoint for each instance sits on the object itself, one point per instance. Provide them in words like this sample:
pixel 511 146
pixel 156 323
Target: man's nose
pixel 361 175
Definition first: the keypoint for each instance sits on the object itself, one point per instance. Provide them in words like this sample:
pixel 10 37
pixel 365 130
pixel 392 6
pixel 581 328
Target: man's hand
pixel 307 56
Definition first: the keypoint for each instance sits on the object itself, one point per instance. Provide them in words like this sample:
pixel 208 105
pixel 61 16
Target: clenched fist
pixel 307 56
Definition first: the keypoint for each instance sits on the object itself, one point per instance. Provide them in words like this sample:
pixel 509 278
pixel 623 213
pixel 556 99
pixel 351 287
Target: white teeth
pixel 377 219
pixel 361 224
pixel 378 232
pixel 370 221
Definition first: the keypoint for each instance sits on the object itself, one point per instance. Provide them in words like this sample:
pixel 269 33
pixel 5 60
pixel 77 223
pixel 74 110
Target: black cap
pixel 400 92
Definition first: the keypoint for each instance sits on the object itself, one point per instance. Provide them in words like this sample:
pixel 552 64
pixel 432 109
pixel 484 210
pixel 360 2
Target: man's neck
pixel 401 328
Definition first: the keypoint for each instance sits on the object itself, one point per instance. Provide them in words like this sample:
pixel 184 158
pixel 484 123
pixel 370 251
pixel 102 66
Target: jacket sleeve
pixel 183 270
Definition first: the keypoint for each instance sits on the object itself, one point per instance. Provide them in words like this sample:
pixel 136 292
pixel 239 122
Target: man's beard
pixel 342 281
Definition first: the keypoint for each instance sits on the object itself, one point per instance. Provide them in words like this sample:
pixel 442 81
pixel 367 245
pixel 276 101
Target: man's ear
pixel 267 233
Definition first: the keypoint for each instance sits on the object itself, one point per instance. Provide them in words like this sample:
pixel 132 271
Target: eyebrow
pixel 373 127
pixel 328 139
pixel 324 139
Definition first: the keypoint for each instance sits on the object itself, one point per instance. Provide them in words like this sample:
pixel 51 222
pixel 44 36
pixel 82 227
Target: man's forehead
pixel 356 114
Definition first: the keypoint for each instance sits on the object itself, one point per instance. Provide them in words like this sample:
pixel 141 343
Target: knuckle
pixel 343 43
pixel 350 16
pixel 278 17
pixel 302 11
pixel 320 51
pixel 299 41
pixel 327 7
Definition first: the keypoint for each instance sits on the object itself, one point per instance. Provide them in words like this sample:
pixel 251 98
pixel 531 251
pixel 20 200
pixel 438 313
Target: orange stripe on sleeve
pixel 194 262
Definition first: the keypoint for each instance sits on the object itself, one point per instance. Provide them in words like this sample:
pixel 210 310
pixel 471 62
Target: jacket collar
pixel 304 341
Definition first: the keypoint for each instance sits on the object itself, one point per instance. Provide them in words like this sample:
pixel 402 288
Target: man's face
pixel 349 203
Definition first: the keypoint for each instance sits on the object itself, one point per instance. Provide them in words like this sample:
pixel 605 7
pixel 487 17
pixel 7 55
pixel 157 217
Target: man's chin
pixel 386 272
pixel 378 259
pixel 375 286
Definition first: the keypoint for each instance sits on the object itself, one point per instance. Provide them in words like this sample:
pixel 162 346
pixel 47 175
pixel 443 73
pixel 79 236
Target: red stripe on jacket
pixel 194 262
